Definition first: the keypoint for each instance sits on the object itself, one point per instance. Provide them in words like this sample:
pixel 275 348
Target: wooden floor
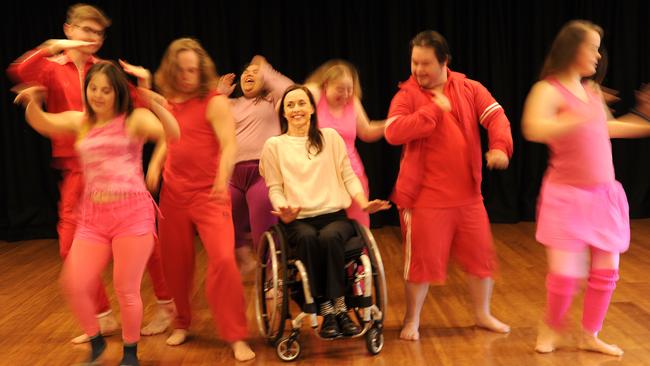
pixel 36 325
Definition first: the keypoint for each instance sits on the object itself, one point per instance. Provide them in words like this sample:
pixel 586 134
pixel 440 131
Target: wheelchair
pixel 281 278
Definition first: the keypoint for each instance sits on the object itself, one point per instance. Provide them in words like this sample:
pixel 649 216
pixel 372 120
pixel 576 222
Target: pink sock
pixel 559 295
pixel 600 287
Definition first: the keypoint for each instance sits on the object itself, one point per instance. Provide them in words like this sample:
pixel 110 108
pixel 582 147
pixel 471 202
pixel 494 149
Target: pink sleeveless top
pixel 111 160
pixel 582 157
pixel 346 126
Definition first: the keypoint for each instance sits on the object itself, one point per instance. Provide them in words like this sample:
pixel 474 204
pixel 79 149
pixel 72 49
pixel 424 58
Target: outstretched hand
pixel 29 93
pixel 497 159
pixel 287 214
pixel 226 84
pixel 55 46
pixel 141 73
pixel 376 205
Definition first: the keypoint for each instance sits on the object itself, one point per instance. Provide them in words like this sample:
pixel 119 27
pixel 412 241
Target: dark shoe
pixel 130 355
pixel 97 347
pixel 330 327
pixel 347 326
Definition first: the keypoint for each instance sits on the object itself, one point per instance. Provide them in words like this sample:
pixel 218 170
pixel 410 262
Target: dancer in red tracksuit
pixel 195 194
pixel 436 115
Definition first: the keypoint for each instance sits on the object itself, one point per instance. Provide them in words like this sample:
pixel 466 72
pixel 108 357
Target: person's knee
pixel 127 296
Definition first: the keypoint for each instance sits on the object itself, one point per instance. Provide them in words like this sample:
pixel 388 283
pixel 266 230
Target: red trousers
pixel 182 218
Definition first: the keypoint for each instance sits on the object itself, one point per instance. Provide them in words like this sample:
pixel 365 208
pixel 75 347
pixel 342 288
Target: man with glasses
pixel 60 65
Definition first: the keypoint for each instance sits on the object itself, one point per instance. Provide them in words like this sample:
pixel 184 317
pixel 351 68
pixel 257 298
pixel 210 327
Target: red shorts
pixel 430 235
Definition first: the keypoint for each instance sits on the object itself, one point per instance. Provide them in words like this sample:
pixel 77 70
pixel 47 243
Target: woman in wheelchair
pixel 311 183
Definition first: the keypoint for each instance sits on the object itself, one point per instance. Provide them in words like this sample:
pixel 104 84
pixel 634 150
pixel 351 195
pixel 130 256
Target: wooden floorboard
pixel 36 324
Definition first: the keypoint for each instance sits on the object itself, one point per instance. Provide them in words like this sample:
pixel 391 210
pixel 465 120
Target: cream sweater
pixel 318 184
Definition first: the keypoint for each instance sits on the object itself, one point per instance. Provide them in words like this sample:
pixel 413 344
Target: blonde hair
pixel 80 12
pixel 333 70
pixel 165 76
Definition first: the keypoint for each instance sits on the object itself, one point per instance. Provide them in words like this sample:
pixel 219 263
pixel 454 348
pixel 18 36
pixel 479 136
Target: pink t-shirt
pixel 582 157
pixel 111 160
pixel 346 126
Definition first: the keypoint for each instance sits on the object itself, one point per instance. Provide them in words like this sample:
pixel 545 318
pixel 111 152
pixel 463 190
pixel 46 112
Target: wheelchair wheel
pixel 374 340
pixel 271 295
pixel 287 349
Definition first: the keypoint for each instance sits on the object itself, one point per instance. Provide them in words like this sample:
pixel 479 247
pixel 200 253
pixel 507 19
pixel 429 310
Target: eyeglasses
pixel 88 30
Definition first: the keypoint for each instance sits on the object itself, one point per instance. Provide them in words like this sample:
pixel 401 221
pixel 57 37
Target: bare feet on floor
pixel 162 319
pixel 178 337
pixel 548 339
pixel 591 342
pixel 242 351
pixel 108 325
pixel 410 331
pixel 489 322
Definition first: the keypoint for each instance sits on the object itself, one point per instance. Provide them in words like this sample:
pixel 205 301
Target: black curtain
pixel 499 43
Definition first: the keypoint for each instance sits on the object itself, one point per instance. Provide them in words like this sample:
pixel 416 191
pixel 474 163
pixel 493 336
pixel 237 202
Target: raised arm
pixel 368 131
pixel 220 117
pixel 155 123
pixel 274 81
pixel 47 124
pixel 635 124
pixel 32 66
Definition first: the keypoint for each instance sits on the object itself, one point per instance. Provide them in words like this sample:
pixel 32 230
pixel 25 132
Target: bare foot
pixel 491 323
pixel 410 331
pixel 242 351
pixel 178 337
pixel 591 342
pixel 548 339
pixel 108 325
pixel 162 319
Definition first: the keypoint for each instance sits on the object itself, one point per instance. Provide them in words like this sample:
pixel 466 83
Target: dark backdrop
pixel 499 43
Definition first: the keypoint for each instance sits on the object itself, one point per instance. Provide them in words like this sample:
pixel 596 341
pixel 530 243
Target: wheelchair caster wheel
pixel 287 349
pixel 374 340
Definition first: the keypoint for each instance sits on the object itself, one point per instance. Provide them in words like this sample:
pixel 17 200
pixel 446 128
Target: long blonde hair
pixel 333 70
pixel 165 76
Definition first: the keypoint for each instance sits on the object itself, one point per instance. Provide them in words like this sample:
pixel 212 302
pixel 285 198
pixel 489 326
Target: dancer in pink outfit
pixel 582 209
pixel 337 91
pixel 117 215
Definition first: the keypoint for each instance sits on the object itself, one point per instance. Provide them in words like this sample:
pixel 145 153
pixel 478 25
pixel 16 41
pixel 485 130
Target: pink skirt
pixel 573 218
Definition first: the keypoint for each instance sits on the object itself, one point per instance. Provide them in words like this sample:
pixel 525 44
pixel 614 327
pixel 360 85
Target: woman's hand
pixel 28 94
pixel 142 74
pixel 286 214
pixel 376 205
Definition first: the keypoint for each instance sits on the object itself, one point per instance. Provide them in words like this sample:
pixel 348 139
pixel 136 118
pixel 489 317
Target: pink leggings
pixel 85 263
pixel 566 271
pixel 122 229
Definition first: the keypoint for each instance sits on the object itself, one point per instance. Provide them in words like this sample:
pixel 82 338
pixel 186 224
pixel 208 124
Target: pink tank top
pixel 111 160
pixel 582 157
pixel 346 126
